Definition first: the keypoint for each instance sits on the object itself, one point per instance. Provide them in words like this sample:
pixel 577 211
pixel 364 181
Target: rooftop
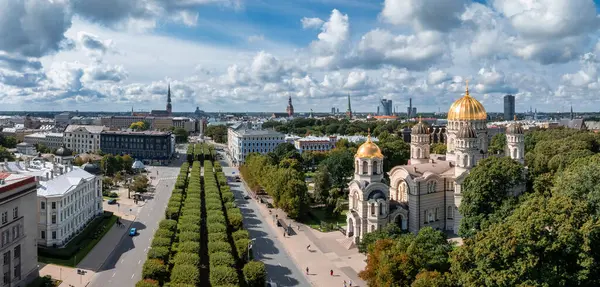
pixel 12 181
pixel 89 128
pixel 149 133
pixel 43 135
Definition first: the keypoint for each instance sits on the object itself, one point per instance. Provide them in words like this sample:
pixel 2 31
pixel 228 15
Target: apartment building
pixel 241 141
pixel 83 139
pixel 148 146
pixel 50 140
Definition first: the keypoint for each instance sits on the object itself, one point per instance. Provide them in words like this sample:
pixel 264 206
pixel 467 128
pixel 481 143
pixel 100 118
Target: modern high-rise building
pixel 409 109
pixel 385 107
pixel 509 107
pixel 333 110
pixel 414 112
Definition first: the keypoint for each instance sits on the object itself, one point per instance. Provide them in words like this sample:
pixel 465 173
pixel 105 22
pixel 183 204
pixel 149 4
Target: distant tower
pixel 419 143
pixel 409 110
pixel 132 114
pixel 515 141
pixel 509 107
pixel 349 110
pixel 571 115
pixel 290 108
pixel 169 107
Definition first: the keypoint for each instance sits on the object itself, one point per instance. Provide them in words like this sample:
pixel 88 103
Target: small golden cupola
pixel 467 108
pixel 369 149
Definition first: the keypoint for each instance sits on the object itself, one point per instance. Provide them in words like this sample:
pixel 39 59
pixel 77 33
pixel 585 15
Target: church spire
pixel 349 110
pixel 169 106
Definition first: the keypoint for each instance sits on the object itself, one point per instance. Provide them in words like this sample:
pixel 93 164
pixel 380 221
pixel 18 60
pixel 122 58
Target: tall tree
pixel 340 164
pixel 390 231
pixel 5 154
pixel 484 191
pixel 438 148
pixel 322 183
pixel 497 144
pixel 395 151
pixel 181 135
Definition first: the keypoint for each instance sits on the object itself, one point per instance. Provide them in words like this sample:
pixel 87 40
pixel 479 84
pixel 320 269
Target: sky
pixel 251 55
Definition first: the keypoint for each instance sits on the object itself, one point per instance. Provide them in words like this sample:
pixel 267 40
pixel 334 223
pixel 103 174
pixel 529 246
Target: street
pixel 124 266
pixel 267 248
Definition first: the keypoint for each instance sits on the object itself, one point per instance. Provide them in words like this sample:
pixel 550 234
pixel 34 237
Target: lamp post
pixel 250 247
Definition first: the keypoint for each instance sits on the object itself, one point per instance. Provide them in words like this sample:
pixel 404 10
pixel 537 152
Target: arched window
pixel 372 208
pixel 355 201
pixel 375 171
pixel 402 195
pixel 450 213
pixel 466 160
pixel 365 167
pixel 430 216
pixel 431 187
pixel 380 208
pixel 514 153
pixel 372 228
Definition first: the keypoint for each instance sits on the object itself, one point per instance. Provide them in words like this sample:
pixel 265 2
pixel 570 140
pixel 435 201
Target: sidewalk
pixel 325 253
pixel 93 260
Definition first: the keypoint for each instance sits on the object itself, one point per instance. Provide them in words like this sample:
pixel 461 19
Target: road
pixel 124 266
pixel 267 247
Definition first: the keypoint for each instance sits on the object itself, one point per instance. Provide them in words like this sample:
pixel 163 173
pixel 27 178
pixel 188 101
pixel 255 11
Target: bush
pixel 217 237
pixel 240 234
pixel 154 269
pixel 168 224
pixel 218 247
pixel 216 218
pixel 164 233
pixel 184 258
pixel 255 274
pixel 161 242
pixel 235 221
pixel 179 285
pixel 213 206
pixel 160 252
pixel 189 219
pixel 221 259
pixel 187 274
pixel 192 205
pixel 189 227
pixel 213 201
pixel 230 205
pixel 147 283
pixel 113 195
pixel 216 228
pixel 222 275
pixel 172 213
pixel 227 196
pixel 188 212
pixel 241 245
pixel 190 247
pixel 189 236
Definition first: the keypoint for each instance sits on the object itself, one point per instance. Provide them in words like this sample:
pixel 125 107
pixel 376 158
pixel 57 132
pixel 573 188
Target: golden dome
pixel 467 108
pixel 369 149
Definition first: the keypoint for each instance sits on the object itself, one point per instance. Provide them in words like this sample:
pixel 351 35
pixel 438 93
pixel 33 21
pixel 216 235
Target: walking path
pixel 325 253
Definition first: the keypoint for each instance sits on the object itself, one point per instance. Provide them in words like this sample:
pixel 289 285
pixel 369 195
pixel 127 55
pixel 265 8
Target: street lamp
pixel 250 247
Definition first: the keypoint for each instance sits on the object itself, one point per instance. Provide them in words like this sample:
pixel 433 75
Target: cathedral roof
pixel 420 129
pixel 467 108
pixel 466 132
pixel 369 149
pixel 514 128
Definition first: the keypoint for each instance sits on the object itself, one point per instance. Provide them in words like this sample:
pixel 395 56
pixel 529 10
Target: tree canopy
pixel 217 133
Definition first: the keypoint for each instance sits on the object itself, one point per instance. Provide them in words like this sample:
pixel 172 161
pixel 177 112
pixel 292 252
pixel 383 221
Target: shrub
pixel 159 241
pixel 189 219
pixel 159 252
pixel 230 205
pixel 216 228
pixel 154 269
pixel 240 234
pixel 147 283
pixel 168 224
pixel 179 285
pixel 188 212
pixel 222 275
pixel 174 203
pixel 187 274
pixel 235 221
pixel 213 201
pixel 216 218
pixel 190 247
pixel 221 259
pixel 189 227
pixel 241 245
pixel 234 211
pixel 184 258
pixel 186 236
pixel 172 213
pixel 227 196
pixel 113 195
pixel 255 274
pixel 213 206
pixel 217 237
pixel 219 247
pixel 164 233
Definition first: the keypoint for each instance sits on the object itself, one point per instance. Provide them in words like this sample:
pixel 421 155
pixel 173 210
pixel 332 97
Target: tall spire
pixel 572 116
pixel 290 107
pixel 169 106
pixel 349 110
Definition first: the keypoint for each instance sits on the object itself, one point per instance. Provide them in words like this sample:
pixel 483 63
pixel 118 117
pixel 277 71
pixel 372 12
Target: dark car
pixel 112 201
pixel 246 197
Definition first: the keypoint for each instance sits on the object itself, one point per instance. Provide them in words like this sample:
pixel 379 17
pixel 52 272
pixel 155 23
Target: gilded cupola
pixel 467 108
pixel 369 149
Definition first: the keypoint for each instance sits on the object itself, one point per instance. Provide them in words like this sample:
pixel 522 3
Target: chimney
pixel 52 174
pixel 47 175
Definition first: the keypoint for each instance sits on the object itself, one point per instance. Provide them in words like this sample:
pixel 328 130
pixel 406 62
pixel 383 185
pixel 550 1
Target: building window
pixel 430 215
pixel 53 218
pixel 425 216
pixel 53 234
pixel 54 205
pixel 431 187
pixel 437 213
pixel 17 271
pixel 7 258
pixel 43 234
pixel 4 217
pixel 15 212
pixel 450 214
pixel 17 251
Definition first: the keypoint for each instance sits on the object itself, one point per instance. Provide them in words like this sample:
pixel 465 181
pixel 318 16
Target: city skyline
pixel 237 55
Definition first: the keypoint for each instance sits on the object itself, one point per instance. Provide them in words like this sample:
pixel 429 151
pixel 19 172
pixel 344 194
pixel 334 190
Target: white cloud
pixel 332 40
pixel 311 23
pixel 438 15
pixel 437 77
pixel 255 38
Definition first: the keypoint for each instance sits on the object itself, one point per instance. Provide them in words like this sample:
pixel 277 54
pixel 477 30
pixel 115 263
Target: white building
pixel 50 140
pixel 26 148
pixel 18 229
pixel 83 139
pixel 312 143
pixel 68 197
pixel 242 141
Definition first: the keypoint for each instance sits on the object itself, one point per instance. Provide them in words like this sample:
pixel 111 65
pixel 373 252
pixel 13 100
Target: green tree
pixel 323 184
pixel 42 148
pixel 390 231
pixel 284 151
pixel 438 148
pixel 127 163
pixel 395 151
pixel 340 164
pixel 140 126
pixel 9 142
pixel 255 274
pixel 140 184
pixel 485 190
pixel 217 133
pixel 397 262
pixel 181 135
pixel 497 144
pixel 5 154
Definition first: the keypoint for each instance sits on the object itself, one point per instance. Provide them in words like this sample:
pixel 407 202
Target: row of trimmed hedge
pixel 156 269
pixel 254 271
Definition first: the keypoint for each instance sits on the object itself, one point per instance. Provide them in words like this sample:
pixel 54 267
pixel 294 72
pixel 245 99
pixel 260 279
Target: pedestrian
pixel 331 272
pixel 345 285
pixel 306 270
pixel 350 283
pixel 308 247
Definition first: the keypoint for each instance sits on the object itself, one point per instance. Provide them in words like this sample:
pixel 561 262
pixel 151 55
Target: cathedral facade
pixel 426 191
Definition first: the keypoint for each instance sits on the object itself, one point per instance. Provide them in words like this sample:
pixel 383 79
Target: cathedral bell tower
pixel 368 162
pixel 419 143
pixel 515 141
pixel 466 149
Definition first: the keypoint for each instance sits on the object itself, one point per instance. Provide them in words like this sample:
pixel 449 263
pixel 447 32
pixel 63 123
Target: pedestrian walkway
pixel 325 253
pixel 94 260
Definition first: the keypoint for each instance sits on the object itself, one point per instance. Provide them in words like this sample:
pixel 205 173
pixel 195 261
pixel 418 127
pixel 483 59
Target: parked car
pixel 132 231
pixel 112 201
pixel 246 197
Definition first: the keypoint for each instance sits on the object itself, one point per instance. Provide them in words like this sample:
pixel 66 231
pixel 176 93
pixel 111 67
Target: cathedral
pixel 426 191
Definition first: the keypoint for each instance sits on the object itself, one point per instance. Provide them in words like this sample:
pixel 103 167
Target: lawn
pixel 79 246
pixel 318 219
